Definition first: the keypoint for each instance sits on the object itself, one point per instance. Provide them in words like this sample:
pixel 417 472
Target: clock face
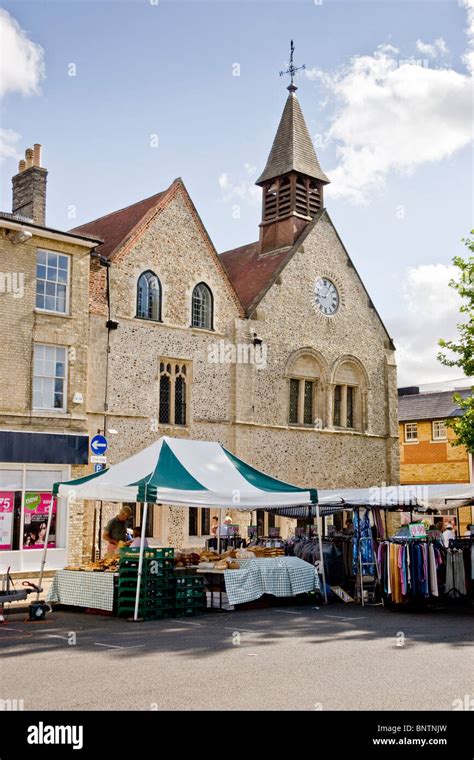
pixel 326 296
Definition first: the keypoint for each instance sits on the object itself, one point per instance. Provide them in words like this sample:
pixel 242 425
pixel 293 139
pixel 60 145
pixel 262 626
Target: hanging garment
pixel 433 571
pixel 455 574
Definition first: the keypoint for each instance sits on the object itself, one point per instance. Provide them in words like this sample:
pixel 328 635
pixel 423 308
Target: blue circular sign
pixel 99 444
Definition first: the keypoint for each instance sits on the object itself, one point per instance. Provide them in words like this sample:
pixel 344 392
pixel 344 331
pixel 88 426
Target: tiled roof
pixel 429 406
pixel 292 148
pixel 250 273
pixel 116 227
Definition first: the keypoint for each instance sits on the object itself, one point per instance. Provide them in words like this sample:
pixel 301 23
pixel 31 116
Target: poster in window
pixel 7 500
pixel 36 519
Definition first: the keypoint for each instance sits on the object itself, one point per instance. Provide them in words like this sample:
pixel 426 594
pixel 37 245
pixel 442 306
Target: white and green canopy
pixel 187 473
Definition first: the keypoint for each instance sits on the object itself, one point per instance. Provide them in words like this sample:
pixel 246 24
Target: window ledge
pixel 52 313
pixel 439 440
pixel 410 443
pixel 148 321
pixel 200 330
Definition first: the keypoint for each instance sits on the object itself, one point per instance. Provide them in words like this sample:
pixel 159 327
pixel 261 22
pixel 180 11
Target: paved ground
pixel 338 657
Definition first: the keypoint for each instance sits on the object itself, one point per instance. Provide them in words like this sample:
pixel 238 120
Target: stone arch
pixel 306 374
pixel 348 394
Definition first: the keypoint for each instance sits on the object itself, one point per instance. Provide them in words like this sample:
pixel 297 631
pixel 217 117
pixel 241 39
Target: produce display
pixel 107 565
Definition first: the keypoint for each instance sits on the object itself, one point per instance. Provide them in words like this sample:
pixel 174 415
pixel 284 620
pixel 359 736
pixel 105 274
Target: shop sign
pixel 7 501
pixel 36 511
pixel 417 530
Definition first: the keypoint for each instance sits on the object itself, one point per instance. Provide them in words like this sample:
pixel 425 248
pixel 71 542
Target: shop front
pixel 26 486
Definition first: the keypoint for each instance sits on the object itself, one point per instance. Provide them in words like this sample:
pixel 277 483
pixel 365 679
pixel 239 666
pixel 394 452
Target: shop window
pixel 193 521
pixel 173 407
pixel 202 307
pixel 49 377
pixel 149 297
pixel 25 500
pixel 52 281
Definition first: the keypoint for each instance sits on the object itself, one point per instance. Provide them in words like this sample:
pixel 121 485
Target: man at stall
pixel 116 530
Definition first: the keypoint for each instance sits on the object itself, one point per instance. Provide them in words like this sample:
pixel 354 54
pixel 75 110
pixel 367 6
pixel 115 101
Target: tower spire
pixel 292 180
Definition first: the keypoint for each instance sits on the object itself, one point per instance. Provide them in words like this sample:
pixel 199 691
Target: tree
pixel 462 351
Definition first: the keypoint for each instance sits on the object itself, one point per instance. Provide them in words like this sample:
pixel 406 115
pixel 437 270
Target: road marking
pixel 115 646
pixel 56 636
pixel 240 630
pixel 187 622
pixel 289 612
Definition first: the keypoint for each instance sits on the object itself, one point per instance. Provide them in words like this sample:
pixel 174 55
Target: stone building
pixel 274 348
pixel 427 453
pixel 44 328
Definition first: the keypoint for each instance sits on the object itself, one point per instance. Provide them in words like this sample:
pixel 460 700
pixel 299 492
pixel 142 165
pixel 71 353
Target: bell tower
pixel 292 182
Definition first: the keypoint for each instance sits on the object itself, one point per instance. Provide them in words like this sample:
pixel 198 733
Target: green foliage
pixel 462 350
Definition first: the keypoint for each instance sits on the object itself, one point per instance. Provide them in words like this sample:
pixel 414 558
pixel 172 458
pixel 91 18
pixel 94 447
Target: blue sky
pixel 167 70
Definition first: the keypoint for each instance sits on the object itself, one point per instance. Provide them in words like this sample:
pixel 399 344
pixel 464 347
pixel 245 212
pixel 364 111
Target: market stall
pixel 184 473
pixel 396 550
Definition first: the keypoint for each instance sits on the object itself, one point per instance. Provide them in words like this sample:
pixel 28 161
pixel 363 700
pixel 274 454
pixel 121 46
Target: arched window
pixel 149 297
pixel 202 307
pixel 349 408
pixel 173 408
pixel 306 373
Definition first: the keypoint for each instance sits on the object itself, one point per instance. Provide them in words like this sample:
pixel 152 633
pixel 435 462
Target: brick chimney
pixel 29 187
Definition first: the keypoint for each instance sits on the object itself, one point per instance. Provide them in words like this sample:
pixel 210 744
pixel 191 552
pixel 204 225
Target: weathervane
pixel 291 70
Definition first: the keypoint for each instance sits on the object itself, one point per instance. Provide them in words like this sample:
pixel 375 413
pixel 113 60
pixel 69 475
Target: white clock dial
pixel 326 296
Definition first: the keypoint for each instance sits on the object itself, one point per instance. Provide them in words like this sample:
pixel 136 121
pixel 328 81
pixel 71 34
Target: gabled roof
pixel 430 406
pixel 292 148
pixel 253 274
pixel 115 228
pixel 249 272
pixel 121 228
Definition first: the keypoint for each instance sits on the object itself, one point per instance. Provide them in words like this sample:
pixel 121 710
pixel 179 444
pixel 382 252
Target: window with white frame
pixel 411 431
pixel 49 377
pixel 52 281
pixel 202 307
pixel 439 430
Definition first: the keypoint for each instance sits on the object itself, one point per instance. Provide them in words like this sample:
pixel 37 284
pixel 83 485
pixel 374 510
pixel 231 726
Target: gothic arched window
pixel 202 307
pixel 149 297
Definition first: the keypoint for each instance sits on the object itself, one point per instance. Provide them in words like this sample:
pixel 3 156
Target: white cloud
pixel 468 57
pixel 22 61
pixel 8 138
pixel 393 114
pixel 430 312
pixel 243 189
pixel 438 48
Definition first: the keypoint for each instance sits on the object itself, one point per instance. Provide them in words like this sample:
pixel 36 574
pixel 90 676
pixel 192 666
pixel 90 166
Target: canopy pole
pixel 140 561
pixel 321 557
pixel 45 548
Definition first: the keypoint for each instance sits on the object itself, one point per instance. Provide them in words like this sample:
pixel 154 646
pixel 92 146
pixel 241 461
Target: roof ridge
pixel 124 208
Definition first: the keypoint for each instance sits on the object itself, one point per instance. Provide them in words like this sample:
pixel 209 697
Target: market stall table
pixel 93 590
pixel 277 576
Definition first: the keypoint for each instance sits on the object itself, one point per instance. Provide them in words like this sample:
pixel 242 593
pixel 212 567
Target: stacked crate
pixel 190 595
pixel 158 583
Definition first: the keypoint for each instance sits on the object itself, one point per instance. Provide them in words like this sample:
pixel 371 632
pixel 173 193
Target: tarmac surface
pixel 339 657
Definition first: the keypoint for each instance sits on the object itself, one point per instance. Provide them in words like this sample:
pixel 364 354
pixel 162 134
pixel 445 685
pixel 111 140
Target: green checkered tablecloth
pixel 279 576
pixel 82 589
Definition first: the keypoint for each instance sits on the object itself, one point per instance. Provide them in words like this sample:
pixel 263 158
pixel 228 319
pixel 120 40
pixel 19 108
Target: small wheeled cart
pixel 8 593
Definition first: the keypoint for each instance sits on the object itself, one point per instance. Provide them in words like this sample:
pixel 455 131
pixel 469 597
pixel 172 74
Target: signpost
pixel 99 444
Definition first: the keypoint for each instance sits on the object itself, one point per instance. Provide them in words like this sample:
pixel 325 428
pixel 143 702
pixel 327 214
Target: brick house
pixel 427 454
pixel 44 327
